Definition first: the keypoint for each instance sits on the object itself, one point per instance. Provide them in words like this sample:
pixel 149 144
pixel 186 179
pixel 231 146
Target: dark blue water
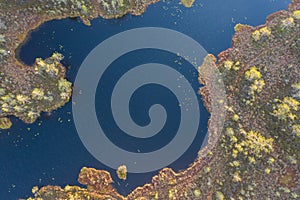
pixel 142 100
pixel 50 151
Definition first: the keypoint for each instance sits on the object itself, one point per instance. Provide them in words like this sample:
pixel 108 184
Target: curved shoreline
pixel 246 151
pixel 168 184
pixel 15 35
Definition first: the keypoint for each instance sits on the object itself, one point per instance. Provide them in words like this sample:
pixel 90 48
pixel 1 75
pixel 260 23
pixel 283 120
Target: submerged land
pixel 258 153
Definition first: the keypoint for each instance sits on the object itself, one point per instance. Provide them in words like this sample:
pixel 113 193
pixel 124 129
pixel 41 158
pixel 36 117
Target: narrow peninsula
pixel 26 91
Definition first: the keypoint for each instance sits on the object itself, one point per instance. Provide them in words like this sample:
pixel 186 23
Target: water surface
pixel 50 151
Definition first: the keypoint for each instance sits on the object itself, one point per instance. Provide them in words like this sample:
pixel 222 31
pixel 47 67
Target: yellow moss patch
pixel 234 153
pixel 18 108
pixel 207 170
pixel 228 64
pixel 267 171
pixel 296 14
pixel 229 131
pixel 282 111
pixel 236 66
pixel 252 74
pixel 236 177
pixel 239 147
pixel 251 160
pixel 5 107
pixel 271 160
pixel 293 103
pixel 288 22
pixel 38 93
pixel 257 86
pixel 235 163
pixel 235 117
pixel 285 108
pixel 219 195
pixel 34 189
pixel 172 193
pixel 238 27
pixel 64 85
pixel 296 129
pixel 5 123
pixel 256 35
pixel 256 143
pixel 197 193
pixel 265 31
pixel 296 86
pixel 22 98
pixel 84 9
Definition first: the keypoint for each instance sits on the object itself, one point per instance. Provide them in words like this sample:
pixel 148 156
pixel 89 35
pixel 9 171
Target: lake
pixel 50 152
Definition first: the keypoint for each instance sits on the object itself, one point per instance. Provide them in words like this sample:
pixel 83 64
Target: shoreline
pixel 183 184
pixel 225 169
pixel 16 35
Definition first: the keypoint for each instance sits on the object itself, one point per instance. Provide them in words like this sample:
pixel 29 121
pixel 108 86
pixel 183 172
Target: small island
pixel 122 172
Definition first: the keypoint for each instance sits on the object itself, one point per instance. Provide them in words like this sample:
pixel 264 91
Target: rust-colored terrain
pixel 258 153
pixel 25 91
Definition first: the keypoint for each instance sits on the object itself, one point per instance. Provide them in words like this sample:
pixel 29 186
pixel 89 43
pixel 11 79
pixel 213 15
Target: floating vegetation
pixel 5 123
pixel 187 3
